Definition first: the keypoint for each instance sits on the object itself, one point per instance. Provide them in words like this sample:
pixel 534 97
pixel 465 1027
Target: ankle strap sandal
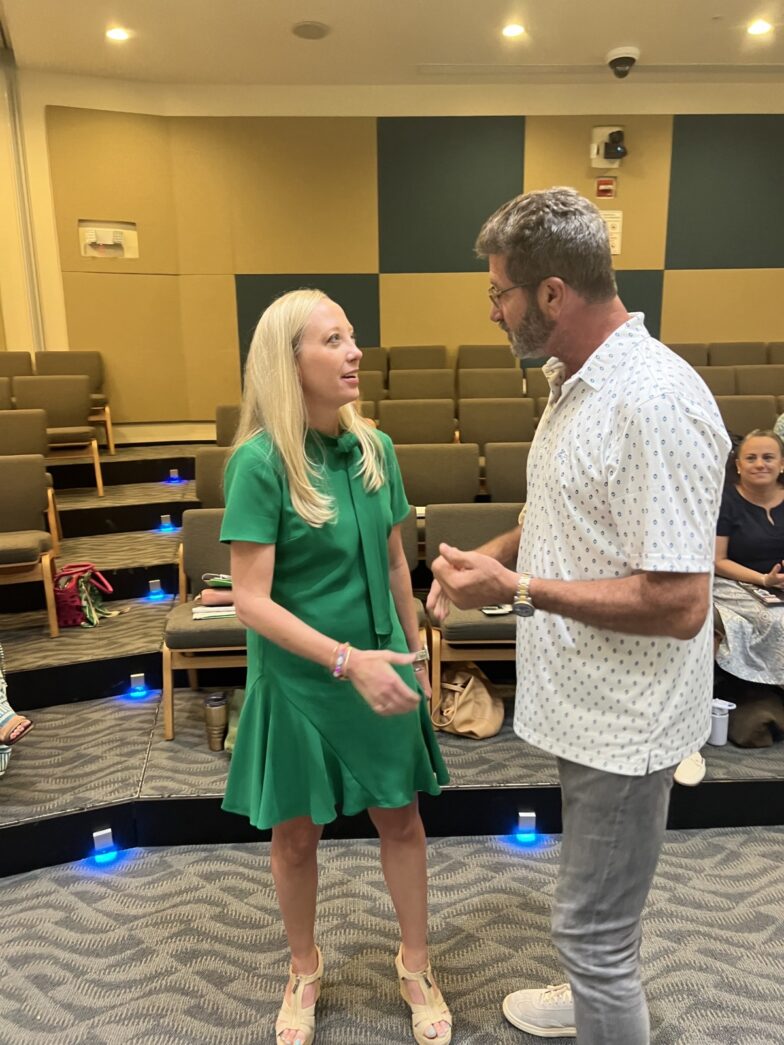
pixel 433 1010
pixel 293 1015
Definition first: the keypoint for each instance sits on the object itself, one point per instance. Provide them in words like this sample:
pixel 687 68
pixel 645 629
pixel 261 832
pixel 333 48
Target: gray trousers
pixel 613 828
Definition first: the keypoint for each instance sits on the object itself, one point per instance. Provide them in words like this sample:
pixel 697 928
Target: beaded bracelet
pixel 340 667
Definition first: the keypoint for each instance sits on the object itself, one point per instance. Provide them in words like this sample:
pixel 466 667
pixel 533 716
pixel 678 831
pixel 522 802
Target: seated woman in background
pixel 750 551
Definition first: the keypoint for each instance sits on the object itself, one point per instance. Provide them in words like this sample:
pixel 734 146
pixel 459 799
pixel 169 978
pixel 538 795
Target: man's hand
pixel 438 604
pixel 470 579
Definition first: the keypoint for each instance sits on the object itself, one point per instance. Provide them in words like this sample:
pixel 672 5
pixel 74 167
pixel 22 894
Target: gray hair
pixel 553 232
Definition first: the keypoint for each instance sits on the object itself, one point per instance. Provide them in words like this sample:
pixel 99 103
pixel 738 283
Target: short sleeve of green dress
pixel 307 744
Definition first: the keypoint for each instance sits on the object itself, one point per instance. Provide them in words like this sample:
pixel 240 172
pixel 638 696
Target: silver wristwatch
pixel 521 604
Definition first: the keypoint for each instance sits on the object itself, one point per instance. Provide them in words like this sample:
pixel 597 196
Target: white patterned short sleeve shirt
pixel 624 475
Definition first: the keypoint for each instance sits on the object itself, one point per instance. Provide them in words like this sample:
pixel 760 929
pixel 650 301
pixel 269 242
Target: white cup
pixel 720 721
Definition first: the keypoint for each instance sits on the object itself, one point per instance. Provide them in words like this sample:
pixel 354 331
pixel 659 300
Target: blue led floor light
pixel 167 526
pixel 175 479
pixel 104 849
pixel 157 594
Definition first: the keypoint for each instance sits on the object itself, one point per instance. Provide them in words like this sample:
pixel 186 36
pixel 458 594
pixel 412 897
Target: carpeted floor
pixel 185 946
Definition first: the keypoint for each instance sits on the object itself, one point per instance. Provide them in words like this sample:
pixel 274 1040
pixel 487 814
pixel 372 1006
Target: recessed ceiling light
pixel 118 33
pixel 759 28
pixel 310 30
pixel 513 30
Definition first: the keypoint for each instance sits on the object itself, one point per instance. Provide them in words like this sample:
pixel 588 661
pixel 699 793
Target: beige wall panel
pixel 2 328
pixel 210 343
pixel 111 166
pixel 134 321
pixel 436 308
pixel 557 153
pixel 723 305
pixel 304 194
pixel 202 193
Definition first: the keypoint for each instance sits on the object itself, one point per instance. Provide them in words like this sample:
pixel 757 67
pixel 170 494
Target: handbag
pixel 78 594
pixel 467 704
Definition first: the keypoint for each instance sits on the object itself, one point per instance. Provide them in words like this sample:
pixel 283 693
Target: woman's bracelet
pixel 341 653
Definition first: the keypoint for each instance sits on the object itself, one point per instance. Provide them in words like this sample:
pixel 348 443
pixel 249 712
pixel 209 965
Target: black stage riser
pixel 456 813
pixel 72 683
pixel 119 472
pixel 126 518
pixel 129 582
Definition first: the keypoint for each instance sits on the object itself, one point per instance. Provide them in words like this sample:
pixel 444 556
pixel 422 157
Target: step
pixel 130 507
pixel 128 561
pixel 131 464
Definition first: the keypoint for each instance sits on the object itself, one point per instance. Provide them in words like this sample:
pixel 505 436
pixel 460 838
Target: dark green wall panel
pixel 439 178
pixel 641 291
pixel 726 193
pixel 356 294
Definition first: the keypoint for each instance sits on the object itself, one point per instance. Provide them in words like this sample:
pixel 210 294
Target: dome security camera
pixel 621 60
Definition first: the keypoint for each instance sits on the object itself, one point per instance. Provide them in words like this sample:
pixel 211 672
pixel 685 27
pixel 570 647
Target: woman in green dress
pixel 335 718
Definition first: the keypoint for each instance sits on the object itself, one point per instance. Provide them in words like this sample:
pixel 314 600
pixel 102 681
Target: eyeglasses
pixel 496 295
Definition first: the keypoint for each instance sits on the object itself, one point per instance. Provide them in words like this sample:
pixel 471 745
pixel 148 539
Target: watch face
pixel 523 609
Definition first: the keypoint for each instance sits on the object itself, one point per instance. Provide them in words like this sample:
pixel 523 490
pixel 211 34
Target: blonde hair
pixel 273 402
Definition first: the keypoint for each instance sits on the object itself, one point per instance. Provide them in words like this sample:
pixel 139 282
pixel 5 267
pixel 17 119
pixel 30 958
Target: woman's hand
pixel 371 673
pixel 774 578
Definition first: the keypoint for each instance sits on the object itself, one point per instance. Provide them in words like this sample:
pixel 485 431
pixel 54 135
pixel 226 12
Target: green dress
pixel 308 744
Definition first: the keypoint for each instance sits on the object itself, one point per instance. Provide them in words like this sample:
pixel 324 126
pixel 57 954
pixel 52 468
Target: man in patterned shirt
pixel 612 590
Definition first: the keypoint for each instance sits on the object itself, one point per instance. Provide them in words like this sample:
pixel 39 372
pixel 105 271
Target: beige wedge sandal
pixel 434 1010
pixel 293 1015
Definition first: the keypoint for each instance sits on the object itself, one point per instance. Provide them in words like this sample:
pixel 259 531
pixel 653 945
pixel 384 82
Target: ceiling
pixel 395 41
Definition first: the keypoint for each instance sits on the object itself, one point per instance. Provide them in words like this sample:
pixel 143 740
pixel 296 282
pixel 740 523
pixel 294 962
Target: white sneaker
pixel 691 770
pixel 547 1013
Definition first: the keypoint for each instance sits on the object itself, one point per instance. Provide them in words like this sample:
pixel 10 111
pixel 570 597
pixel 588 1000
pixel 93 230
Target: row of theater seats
pixel 435 357
pixel 432 473
pixel 56 364
pixel 729 353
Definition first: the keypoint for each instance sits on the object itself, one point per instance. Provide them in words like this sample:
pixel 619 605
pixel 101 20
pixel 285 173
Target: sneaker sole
pixel 538 1032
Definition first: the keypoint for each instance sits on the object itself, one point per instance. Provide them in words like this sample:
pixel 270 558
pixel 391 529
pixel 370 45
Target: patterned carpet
pixel 115 551
pixel 185 946
pixel 104 751
pixel 129 493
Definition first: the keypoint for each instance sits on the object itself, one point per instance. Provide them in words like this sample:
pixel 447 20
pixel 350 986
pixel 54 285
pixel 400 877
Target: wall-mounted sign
pixel 108 239
pixel 614 221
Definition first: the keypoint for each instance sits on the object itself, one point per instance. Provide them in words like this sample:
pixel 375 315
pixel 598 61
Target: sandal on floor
pixel 434 1010
pixel 292 1015
pixel 11 722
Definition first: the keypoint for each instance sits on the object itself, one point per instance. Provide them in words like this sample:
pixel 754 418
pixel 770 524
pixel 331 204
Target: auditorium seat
pixel 540 405
pixel 417 420
pixel 66 401
pixel 496 421
pixel 767 379
pixel 25 546
pixel 737 353
pixel 417 357
pixel 439 473
pixel 16 364
pixel 80 362
pixel 494 382
pixel 480 357
pixel 776 351
pixel 742 414
pixel 6 402
pixel 367 408
pixel 372 386
pixel 695 352
pixel 505 471
pixel 375 359
pixel 24 432
pixel 536 383
pixel 194 644
pixel 227 417
pixel 719 379
pixel 468 634
pixel 210 466
pixel 421 384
